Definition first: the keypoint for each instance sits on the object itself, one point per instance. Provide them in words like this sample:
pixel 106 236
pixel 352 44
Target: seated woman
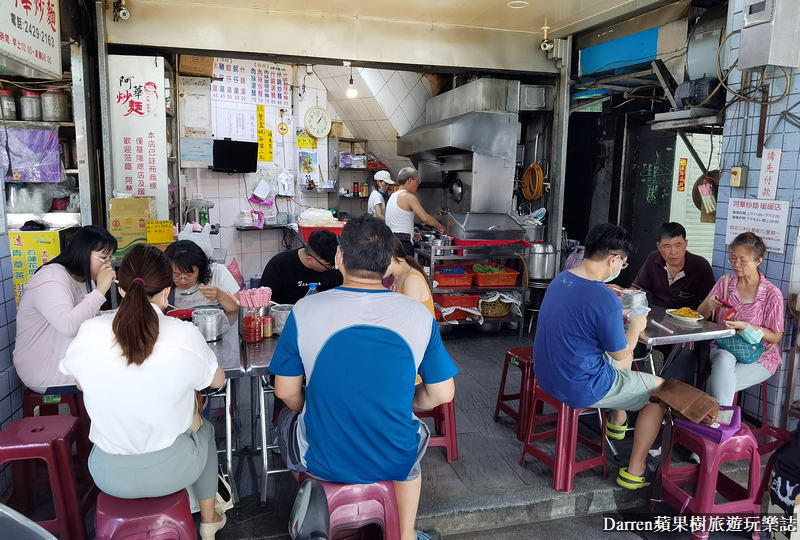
pixel 582 352
pixel 759 305
pixel 199 281
pixel 61 295
pixel 139 371
pixel 409 277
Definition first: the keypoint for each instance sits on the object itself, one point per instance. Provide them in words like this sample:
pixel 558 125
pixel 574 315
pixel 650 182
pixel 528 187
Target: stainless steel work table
pixel 677 331
pixel 242 360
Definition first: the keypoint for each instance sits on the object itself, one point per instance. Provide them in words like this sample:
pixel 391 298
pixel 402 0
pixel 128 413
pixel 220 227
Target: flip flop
pixel 628 481
pixel 616 432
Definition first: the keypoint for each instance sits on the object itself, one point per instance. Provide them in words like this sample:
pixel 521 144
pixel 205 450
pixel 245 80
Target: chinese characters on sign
pixel 768 219
pixel 138 128
pixel 768 179
pixel 307 159
pixel 264 136
pixel 704 523
pixel 30 250
pixel 682 174
pixel 246 81
pixel 30 33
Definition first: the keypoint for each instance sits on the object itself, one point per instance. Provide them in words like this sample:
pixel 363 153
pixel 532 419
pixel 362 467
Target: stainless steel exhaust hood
pixel 488 133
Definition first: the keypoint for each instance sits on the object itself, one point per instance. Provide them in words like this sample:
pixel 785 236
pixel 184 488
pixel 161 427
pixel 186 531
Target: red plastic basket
pixel 507 279
pixel 453 280
pixel 305 232
pixel 457 300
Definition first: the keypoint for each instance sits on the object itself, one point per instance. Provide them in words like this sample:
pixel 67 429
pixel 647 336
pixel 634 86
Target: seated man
pixel 579 323
pixel 289 273
pixel 359 348
pixel 676 278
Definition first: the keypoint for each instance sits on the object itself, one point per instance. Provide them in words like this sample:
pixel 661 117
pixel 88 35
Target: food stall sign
pixel 30 38
pixel 768 219
pixel 770 169
pixel 138 128
pixel 682 174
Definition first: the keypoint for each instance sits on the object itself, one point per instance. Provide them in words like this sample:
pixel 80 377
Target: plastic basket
pixel 507 279
pixel 498 308
pixel 452 280
pixel 457 300
pixel 305 232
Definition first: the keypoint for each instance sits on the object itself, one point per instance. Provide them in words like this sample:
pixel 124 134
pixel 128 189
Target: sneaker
pixel 432 535
pixel 273 435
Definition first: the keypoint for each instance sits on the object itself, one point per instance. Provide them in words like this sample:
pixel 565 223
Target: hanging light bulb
pixel 351 91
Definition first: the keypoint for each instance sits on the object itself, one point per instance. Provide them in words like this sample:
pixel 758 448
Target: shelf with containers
pixel 362 175
pixel 435 257
pixel 58 107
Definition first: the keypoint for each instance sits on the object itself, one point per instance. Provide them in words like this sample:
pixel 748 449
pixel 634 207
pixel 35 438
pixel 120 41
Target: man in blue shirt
pixel 582 353
pixel 359 348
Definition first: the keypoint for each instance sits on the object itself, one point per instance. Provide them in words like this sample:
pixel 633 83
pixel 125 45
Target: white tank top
pixel 399 220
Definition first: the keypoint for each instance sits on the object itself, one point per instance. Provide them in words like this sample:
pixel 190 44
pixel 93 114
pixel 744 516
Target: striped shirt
pixel 766 309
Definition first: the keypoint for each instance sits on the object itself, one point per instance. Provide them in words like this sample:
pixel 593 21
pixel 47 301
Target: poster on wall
pixel 30 34
pixel 307 159
pixel 770 169
pixel 768 219
pixel 138 128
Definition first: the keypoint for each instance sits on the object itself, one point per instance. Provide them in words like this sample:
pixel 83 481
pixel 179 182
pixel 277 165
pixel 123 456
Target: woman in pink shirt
pixel 758 304
pixel 61 295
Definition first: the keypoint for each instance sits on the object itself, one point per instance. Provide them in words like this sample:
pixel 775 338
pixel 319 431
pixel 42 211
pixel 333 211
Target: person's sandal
pixel 628 481
pixel 431 535
pixel 208 531
pixel 616 432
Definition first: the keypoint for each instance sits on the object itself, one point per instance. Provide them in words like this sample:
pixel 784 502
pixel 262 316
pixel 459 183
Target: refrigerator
pixel 31 249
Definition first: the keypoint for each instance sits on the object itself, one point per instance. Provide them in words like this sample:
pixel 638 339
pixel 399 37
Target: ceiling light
pixel 351 92
pixel 517 4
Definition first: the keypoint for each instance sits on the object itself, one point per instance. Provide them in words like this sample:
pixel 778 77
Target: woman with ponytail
pixel 139 371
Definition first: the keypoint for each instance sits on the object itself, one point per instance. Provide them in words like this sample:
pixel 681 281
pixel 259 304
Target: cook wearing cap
pixel 377 199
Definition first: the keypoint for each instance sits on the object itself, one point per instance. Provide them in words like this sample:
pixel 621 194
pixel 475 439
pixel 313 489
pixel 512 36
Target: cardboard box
pixel 128 218
pixel 201 66
pixel 337 129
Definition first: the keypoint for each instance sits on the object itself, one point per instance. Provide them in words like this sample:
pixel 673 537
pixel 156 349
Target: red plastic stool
pixel 49 438
pixel 49 407
pixel 444 421
pixel 765 431
pixel 521 357
pixel 567 437
pixel 164 518
pixel 353 506
pixel 709 480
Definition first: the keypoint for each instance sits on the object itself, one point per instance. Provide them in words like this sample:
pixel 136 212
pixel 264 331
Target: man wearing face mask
pixel 583 353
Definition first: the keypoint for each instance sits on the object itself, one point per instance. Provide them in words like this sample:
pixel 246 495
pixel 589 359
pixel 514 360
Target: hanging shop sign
pixel 138 128
pixel 682 164
pixel 770 168
pixel 768 219
pixel 30 38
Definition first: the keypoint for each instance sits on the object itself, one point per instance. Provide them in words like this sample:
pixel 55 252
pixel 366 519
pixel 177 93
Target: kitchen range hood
pixel 487 133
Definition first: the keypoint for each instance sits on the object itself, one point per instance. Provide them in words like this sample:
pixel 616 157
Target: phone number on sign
pixel 33 30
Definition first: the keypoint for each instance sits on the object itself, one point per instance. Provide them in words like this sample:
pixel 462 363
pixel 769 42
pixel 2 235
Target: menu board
pixel 768 219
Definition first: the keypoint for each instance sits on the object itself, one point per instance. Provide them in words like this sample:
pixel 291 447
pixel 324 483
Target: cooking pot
pixel 542 260
pixel 534 232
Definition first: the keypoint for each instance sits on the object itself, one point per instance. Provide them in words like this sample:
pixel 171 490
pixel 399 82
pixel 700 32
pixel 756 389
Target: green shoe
pixel 628 481
pixel 616 432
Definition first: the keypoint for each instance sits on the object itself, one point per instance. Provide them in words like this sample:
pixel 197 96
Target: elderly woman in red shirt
pixel 759 304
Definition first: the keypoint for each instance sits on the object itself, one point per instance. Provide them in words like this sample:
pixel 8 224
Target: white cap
pixel 384 176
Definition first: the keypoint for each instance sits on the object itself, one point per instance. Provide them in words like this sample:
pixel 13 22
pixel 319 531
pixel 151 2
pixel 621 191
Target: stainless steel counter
pixel 239 359
pixel 678 331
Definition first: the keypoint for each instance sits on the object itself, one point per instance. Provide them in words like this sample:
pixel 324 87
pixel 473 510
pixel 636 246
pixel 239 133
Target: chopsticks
pixel 664 328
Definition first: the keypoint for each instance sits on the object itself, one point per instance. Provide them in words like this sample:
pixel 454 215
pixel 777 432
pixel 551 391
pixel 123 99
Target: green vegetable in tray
pixel 486 269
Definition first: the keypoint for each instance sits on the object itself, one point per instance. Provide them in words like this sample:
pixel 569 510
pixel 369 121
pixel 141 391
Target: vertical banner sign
pixel 768 219
pixel 30 34
pixel 139 128
pixel 264 135
pixel 307 159
pixel 768 179
pixel 682 174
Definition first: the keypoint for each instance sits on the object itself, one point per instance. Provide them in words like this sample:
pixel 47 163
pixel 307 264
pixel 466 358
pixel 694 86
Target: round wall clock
pixel 317 122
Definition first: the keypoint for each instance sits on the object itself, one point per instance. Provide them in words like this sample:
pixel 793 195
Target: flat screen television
pixel 235 156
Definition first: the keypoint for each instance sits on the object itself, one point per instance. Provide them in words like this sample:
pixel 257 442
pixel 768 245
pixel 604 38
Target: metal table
pixel 241 360
pixel 677 331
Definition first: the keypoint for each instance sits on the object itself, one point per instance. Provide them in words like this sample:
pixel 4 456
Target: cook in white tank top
pixel 399 221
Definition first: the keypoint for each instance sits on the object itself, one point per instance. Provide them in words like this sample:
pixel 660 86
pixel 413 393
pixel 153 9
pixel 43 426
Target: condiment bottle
pixel 8 107
pixel 267 322
pixel 30 105
pixel 252 331
pixel 356 191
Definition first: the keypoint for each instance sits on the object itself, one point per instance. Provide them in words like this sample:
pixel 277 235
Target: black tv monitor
pixel 235 156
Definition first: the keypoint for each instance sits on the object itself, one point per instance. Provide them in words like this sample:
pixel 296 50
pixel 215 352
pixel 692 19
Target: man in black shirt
pixel 289 273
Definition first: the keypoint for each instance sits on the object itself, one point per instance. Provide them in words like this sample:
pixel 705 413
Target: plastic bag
pixel 317 217
pixel 202 238
pixel 285 184
pixel 233 268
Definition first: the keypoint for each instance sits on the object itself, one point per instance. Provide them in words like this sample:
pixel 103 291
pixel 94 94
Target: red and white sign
pixel 684 162
pixel 768 219
pixel 30 33
pixel 138 128
pixel 770 168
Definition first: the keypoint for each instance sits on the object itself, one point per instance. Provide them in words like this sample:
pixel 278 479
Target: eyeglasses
pixel 106 260
pixel 327 266
pixel 624 266
pixel 184 277
pixel 737 262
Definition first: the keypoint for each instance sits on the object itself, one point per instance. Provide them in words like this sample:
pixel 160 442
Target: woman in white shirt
pixel 198 280
pixel 377 199
pixel 139 371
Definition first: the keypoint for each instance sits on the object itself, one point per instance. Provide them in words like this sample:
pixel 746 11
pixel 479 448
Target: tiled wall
pixel 252 249
pixel 776 267
pixel 10 385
